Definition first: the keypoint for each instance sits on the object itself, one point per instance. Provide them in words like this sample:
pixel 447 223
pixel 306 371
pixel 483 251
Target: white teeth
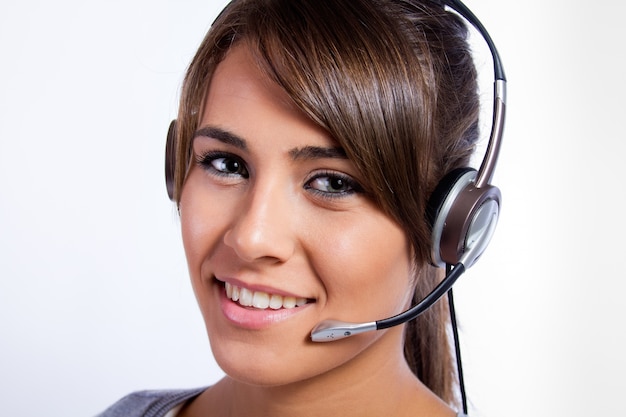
pixel 229 291
pixel 245 297
pixel 289 302
pixel 276 302
pixel 260 299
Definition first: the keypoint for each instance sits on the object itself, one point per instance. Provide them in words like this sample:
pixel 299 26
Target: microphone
pixel 331 330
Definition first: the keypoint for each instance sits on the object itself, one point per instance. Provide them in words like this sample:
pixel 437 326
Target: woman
pixel 310 136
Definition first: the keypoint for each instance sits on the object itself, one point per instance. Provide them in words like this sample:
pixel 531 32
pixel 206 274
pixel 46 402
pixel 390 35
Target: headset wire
pixel 457 346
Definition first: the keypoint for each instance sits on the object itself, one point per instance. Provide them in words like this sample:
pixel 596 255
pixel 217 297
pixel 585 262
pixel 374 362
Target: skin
pixel 263 208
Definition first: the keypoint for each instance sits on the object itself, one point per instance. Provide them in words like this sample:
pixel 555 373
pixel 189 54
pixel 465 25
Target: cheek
pixel 366 268
pixel 193 231
pixel 199 227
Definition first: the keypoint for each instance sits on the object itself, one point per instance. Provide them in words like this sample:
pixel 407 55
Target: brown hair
pixel 394 83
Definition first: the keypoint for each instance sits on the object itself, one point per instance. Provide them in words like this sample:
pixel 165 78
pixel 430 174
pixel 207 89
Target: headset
pixel 462 211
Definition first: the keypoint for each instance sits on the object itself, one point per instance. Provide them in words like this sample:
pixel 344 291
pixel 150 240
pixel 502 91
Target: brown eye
pixel 334 185
pixel 224 164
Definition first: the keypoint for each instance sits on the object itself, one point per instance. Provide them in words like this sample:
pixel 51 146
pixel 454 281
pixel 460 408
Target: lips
pixel 262 300
pixel 255 308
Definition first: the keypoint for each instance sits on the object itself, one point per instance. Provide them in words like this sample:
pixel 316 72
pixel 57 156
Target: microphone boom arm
pixel 331 330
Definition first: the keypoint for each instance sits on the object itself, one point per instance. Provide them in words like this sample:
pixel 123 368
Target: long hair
pixel 393 82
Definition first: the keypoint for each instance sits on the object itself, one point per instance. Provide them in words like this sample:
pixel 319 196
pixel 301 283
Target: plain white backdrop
pixel 94 296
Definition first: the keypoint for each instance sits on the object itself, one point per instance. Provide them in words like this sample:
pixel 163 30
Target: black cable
pixel 457 348
pixel 452 274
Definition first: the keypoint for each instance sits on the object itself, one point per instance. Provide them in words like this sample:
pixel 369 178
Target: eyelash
pixel 350 186
pixel 207 159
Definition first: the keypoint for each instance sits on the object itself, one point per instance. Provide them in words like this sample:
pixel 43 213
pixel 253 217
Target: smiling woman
pixel 309 140
pixel 269 220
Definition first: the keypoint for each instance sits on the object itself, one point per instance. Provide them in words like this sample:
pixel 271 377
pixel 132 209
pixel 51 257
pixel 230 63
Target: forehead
pixel 243 99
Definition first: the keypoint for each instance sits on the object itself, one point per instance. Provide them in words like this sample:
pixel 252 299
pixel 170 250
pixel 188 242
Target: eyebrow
pixel 317 152
pixel 221 135
pixel 306 152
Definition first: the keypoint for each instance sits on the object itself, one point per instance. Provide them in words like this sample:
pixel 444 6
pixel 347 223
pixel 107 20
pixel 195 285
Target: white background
pixel 94 296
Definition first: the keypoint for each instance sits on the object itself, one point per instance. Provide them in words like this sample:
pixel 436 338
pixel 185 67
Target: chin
pixel 260 372
pixel 271 363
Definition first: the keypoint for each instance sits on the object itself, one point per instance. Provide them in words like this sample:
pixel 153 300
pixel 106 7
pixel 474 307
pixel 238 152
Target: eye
pixel 333 185
pixel 223 164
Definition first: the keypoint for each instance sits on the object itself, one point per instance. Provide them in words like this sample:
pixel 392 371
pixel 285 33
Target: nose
pixel 262 229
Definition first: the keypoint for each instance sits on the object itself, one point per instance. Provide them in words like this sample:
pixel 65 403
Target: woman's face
pixel 279 236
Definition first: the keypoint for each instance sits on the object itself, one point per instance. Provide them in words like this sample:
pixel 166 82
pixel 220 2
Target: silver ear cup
pixel 439 206
pixel 463 218
pixel 469 224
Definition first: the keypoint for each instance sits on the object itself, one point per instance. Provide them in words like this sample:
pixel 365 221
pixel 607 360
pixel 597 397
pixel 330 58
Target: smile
pixel 262 300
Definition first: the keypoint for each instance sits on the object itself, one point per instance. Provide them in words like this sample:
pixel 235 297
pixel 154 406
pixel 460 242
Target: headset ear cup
pixel 470 224
pixel 170 159
pixel 439 205
pixel 463 218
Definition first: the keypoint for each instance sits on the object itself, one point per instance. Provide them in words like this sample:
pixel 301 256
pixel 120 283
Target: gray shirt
pixel 154 403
